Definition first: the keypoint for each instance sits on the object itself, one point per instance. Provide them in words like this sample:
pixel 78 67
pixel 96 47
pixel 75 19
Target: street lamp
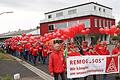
pixel 6 12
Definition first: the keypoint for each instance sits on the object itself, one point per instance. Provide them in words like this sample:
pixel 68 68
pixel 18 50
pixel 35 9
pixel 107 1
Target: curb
pixel 37 71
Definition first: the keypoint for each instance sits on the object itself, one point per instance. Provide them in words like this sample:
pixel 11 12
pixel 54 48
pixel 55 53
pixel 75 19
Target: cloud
pixel 28 13
pixel 32 5
pixel 49 5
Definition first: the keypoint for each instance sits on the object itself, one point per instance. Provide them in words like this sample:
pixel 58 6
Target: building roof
pixel 79 5
pixel 15 33
pixel 35 32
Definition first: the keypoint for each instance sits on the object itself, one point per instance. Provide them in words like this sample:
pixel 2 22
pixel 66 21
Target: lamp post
pixel 6 12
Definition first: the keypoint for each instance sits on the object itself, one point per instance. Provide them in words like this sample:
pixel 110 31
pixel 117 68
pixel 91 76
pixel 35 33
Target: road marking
pixel 34 69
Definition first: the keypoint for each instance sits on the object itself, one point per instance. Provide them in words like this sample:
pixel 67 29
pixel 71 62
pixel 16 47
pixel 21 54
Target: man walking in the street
pixel 57 63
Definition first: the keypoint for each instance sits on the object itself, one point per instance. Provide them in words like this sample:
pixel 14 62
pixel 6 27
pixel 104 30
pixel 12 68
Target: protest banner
pixel 81 66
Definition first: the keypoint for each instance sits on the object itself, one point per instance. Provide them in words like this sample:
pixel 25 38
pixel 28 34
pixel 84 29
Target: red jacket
pixel 115 51
pixel 90 53
pixel 44 52
pixel 20 49
pixel 34 52
pixel 57 62
pixel 39 49
pixel 104 51
pixel 84 49
pixel 74 54
pixel 97 46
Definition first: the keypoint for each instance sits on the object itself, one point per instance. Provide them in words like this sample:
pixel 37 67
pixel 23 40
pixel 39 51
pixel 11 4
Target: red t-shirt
pixel 34 52
pixel 104 51
pixel 74 54
pixel 115 51
pixel 44 52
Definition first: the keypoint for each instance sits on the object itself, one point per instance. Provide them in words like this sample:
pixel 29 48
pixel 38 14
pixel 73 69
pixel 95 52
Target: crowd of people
pixel 34 54
pixel 101 48
pixel 55 53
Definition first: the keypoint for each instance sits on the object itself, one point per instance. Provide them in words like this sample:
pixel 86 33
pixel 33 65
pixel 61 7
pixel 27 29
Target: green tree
pixel 118 35
pixel 118 24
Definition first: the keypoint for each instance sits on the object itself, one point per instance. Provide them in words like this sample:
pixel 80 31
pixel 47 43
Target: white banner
pixel 81 66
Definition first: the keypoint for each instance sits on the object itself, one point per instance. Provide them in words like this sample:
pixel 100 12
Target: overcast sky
pixel 28 13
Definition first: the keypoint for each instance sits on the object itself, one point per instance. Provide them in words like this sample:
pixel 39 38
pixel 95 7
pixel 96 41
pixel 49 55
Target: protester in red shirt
pixel 44 54
pixel 90 51
pixel 104 51
pixel 20 50
pixel 116 50
pixel 30 56
pixel 40 57
pixel 84 46
pixel 57 63
pixel 73 51
pixel 97 46
pixel 35 54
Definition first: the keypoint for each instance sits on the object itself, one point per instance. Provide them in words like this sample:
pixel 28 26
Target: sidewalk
pixel 34 69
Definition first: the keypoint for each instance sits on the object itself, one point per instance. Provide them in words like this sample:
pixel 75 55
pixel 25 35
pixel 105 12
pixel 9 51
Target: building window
pixel 72 23
pixel 99 9
pixel 72 11
pixel 50 27
pixel 95 20
pixel 94 7
pixel 113 23
pixel 107 24
pixel 110 23
pixel 103 10
pixel 103 23
pixel 61 25
pixel 49 16
pixel 59 14
pixel 86 22
pixel 100 23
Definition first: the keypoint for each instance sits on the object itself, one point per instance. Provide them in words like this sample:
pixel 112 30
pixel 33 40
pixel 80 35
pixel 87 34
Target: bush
pixel 115 38
pixel 2 51
pixel 6 77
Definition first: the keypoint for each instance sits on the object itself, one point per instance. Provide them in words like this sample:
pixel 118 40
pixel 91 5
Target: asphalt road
pixel 13 67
